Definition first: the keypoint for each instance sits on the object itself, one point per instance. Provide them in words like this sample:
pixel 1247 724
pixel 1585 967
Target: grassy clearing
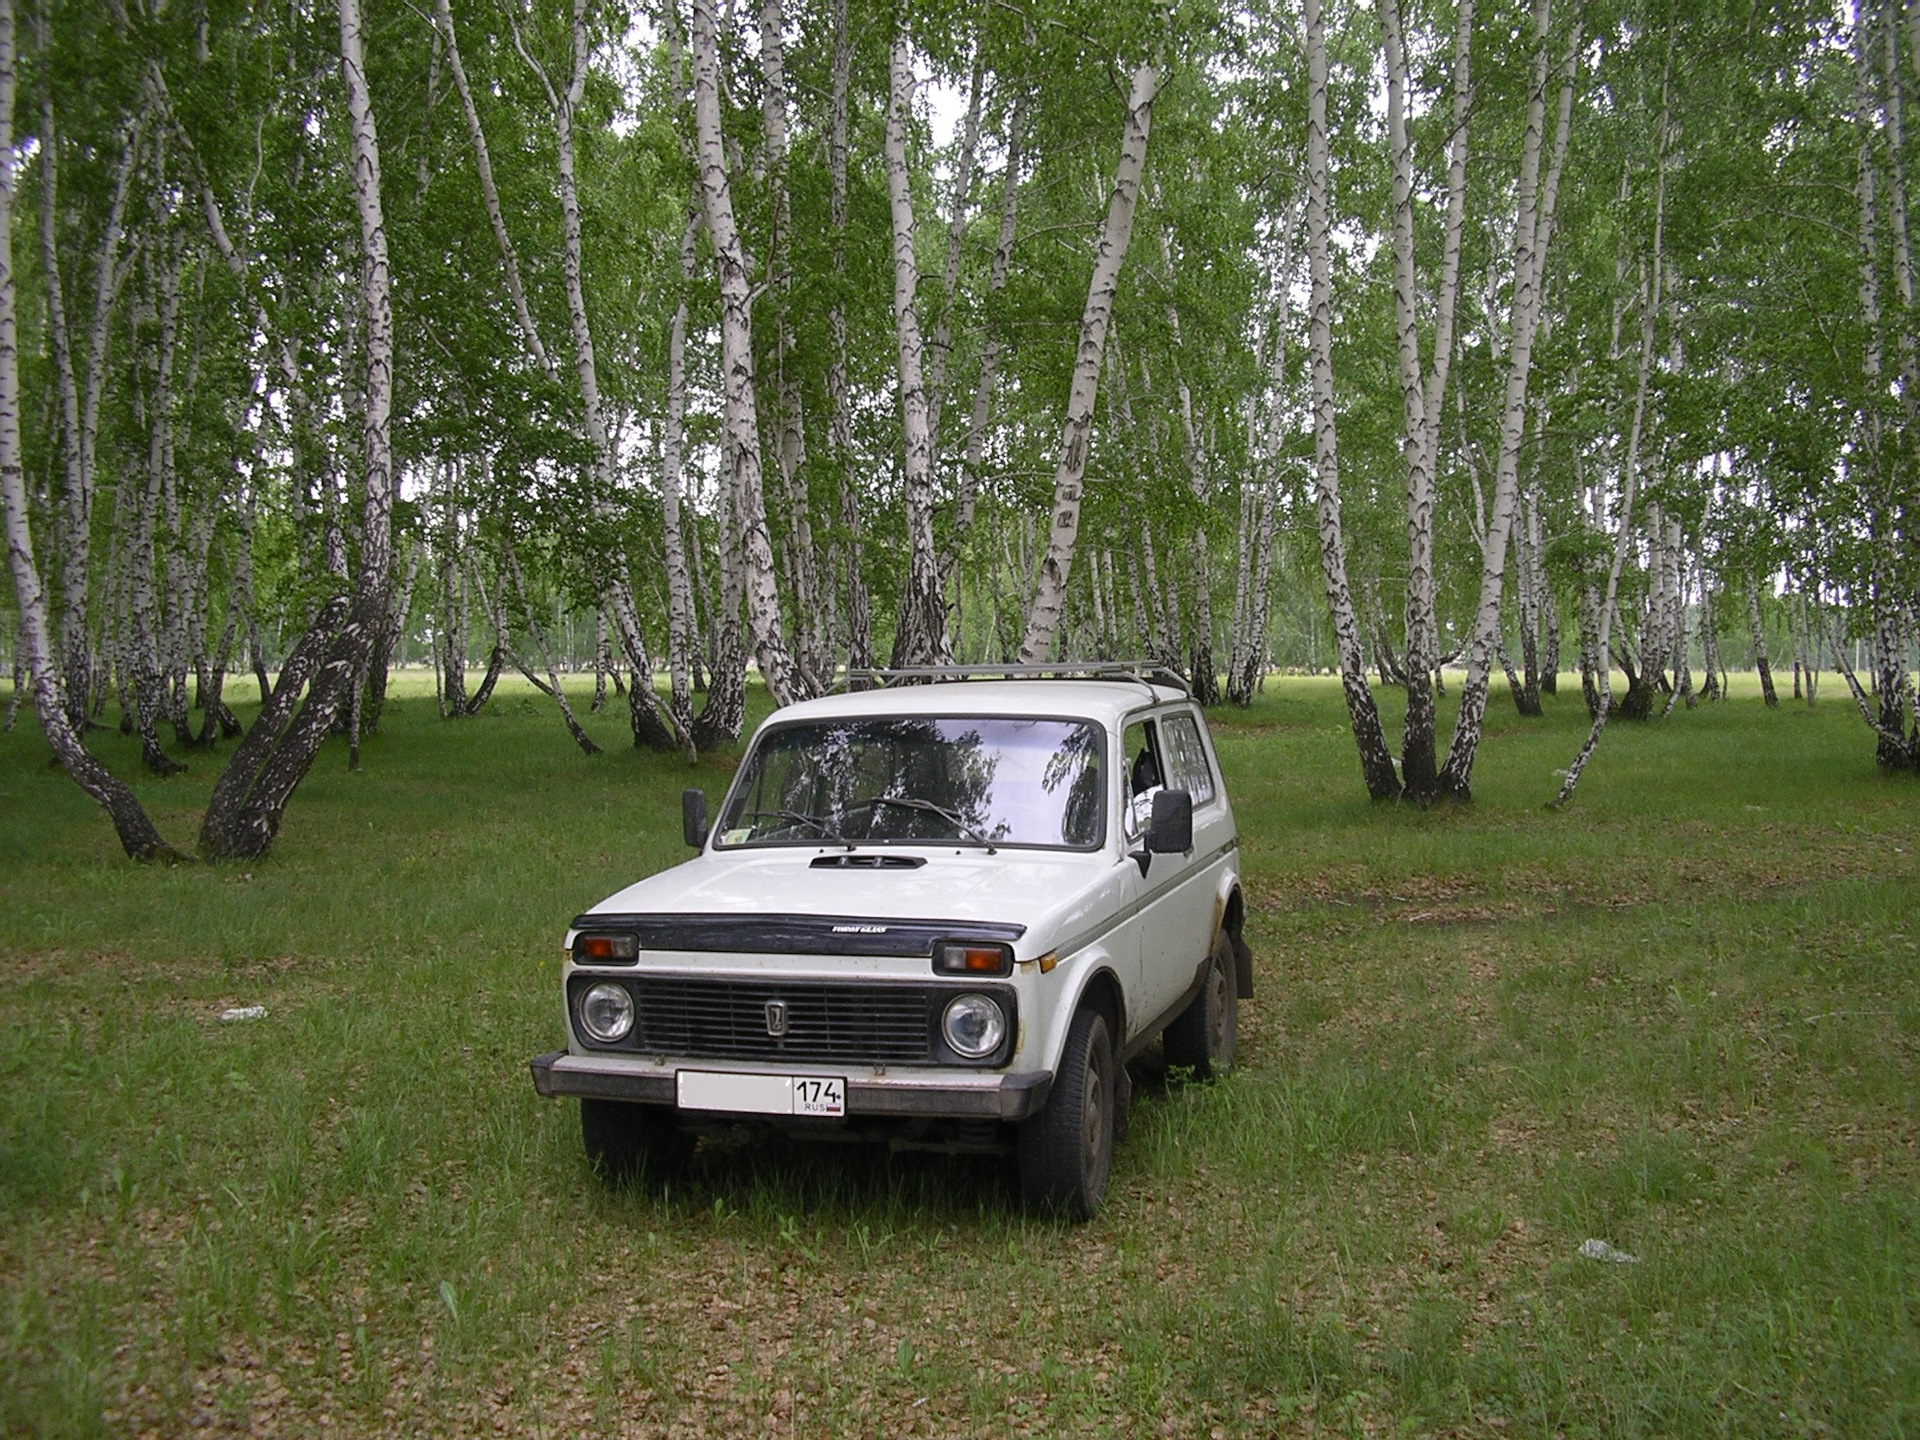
pixel 1681 1018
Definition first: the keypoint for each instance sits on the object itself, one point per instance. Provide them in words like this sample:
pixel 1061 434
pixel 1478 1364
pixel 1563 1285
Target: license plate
pixel 761 1094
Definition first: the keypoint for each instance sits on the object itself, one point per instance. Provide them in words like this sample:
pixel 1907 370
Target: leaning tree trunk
pixel 131 823
pixel 1532 228
pixel 1623 535
pixel 736 346
pixel 490 195
pixel 1050 595
pixel 251 795
pixel 977 422
pixel 922 635
pixel 553 686
pixel 652 728
pixel 1376 761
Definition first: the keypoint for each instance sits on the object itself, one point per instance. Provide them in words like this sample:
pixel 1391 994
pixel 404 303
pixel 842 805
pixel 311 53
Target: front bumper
pixel 990 1097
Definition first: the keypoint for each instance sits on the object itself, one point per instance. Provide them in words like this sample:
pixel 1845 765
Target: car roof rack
pixel 1141 672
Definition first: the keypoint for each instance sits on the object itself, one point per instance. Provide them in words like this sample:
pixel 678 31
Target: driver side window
pixel 1145 773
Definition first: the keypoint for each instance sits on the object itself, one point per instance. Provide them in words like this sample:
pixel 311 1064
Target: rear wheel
pixel 1066 1151
pixel 1202 1037
pixel 623 1139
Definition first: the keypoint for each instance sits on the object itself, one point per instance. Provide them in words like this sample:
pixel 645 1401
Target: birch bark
pixel 534 633
pixel 736 344
pixel 982 414
pixel 1050 595
pixel 1376 762
pixel 1422 399
pixel 1206 684
pixel 673 438
pixel 652 728
pixel 1758 632
pixel 135 828
pixel 490 195
pixel 1602 703
pixel 251 795
pixel 859 618
pixel 921 638
pixel 80 402
pixel 790 449
pixel 1532 227
pixel 721 717
pixel 941 350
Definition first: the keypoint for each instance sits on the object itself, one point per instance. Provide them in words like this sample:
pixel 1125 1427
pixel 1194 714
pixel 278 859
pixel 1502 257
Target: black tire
pixel 1203 1036
pixel 623 1140
pixel 1066 1151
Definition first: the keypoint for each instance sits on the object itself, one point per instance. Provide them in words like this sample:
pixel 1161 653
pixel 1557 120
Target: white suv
pixel 943 915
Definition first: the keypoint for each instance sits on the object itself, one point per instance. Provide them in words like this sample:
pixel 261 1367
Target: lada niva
pixel 943 915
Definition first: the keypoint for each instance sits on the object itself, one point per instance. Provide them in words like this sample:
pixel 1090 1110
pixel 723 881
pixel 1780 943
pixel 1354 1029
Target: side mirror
pixel 1170 831
pixel 693 817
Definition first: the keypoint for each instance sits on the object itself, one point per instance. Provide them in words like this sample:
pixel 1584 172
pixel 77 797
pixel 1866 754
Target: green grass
pixel 1680 1017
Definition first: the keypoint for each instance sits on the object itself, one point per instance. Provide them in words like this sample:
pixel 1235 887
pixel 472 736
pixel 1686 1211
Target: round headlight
pixel 606 1012
pixel 974 1026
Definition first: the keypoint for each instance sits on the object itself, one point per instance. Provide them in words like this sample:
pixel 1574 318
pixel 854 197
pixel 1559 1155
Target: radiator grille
pixel 728 1019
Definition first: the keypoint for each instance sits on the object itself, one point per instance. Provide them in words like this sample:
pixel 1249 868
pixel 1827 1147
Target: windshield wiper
pixel 826 830
pixel 908 802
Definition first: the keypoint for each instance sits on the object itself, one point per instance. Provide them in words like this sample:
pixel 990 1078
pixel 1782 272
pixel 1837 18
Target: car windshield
pixel 968 780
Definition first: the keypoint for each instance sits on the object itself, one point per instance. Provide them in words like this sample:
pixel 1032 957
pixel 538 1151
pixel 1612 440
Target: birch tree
pixel 1063 533
pixel 1376 761
pixel 921 629
pixel 736 339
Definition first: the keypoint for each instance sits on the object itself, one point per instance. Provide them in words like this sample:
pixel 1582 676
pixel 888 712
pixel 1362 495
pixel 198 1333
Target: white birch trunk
pixel 1623 534
pixel 131 823
pixel 922 636
pixel 1376 763
pixel 736 343
pixel 1422 398
pixel 490 194
pixel 1456 776
pixel 859 619
pixel 790 449
pixel 1050 595
pixel 651 727
pixel 252 793
pixel 982 414
pixel 672 443
pixel 941 350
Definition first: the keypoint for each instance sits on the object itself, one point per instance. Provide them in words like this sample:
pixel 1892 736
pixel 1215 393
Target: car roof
pixel 1108 701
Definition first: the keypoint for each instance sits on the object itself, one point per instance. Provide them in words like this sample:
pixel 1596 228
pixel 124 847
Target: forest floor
pixel 1682 1017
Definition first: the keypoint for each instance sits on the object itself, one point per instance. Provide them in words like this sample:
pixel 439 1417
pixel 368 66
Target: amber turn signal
pixel 958 957
pixel 606 949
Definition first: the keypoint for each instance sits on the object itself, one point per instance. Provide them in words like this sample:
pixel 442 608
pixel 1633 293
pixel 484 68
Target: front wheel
pixel 1066 1151
pixel 1203 1036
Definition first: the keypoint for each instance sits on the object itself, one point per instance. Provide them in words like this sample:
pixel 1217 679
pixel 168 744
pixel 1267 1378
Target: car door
pixel 1171 946
pixel 1191 767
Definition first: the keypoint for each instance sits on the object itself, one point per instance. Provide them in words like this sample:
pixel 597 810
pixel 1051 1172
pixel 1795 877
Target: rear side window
pixel 1186 758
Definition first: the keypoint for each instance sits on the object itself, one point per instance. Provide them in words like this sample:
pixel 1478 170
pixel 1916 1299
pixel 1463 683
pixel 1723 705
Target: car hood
pixel 1035 889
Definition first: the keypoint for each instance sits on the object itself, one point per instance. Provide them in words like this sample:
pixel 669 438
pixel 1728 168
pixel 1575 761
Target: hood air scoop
pixel 868 862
